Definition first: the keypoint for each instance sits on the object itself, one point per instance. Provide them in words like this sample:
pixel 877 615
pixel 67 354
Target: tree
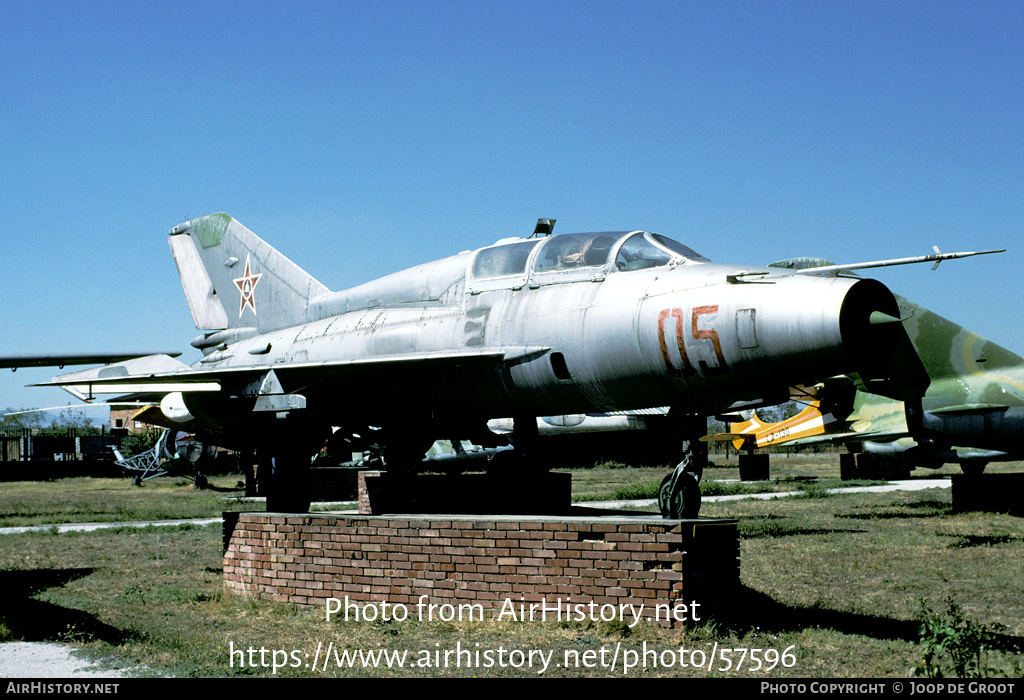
pixel 19 419
pixel 781 412
pixel 72 419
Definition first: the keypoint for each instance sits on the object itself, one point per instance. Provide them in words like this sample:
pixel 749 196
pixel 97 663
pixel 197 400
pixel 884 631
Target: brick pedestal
pixel 484 561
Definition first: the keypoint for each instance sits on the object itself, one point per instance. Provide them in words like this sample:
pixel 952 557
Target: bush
pixel 953 644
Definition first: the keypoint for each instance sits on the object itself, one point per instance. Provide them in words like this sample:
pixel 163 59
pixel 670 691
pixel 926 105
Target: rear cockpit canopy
pixel 503 260
pixel 575 250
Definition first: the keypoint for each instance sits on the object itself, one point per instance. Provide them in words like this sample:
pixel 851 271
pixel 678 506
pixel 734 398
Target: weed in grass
pixel 611 464
pixel 812 490
pixel 753 528
pixel 74 634
pixel 636 492
pixel 953 644
pixel 618 628
pixel 707 631
pixel 133 595
pixel 714 487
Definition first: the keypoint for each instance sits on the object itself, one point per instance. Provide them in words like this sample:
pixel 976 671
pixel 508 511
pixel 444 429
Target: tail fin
pixel 233 280
pixel 949 350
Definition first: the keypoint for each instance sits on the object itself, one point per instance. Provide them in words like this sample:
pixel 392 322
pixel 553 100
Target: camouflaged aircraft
pixel 536 326
pixel 972 412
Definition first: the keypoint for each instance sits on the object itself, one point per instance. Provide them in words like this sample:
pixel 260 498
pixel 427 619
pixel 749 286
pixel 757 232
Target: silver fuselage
pixel 686 333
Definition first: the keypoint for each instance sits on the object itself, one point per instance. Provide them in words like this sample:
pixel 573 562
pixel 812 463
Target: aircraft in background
pixel 526 327
pixel 972 412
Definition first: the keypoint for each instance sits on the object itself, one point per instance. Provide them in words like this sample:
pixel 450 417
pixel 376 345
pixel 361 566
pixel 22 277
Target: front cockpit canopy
pixel 574 250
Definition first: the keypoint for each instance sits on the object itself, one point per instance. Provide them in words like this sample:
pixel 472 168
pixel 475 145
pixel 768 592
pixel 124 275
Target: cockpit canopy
pixel 511 264
pixel 642 250
pixel 503 260
pixel 622 251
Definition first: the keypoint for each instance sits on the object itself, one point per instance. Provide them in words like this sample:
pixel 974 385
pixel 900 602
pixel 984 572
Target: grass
pixel 86 499
pixel 856 585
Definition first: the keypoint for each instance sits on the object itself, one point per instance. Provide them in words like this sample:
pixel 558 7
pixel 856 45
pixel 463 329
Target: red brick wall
pixel 464 559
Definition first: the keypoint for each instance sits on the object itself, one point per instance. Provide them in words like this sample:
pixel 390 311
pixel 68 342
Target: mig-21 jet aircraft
pixel 526 327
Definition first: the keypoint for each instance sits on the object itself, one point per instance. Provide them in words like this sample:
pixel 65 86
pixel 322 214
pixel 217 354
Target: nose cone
pixel 804 329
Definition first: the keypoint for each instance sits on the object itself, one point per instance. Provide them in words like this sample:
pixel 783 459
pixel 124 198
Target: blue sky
pixel 361 138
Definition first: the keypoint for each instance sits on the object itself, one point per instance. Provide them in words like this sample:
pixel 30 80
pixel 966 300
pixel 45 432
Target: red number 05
pixel 687 368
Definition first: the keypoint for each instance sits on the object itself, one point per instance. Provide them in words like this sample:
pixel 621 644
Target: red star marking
pixel 247 286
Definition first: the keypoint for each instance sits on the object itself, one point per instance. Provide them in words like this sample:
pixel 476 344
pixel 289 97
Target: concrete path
pixel 907 485
pixel 32 660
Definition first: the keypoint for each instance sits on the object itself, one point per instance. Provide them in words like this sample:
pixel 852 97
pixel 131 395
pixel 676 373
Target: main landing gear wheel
pixel 665 494
pixel 679 495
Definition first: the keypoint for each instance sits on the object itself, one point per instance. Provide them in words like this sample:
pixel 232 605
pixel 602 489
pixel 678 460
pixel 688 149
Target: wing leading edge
pixel 50 360
pixel 161 373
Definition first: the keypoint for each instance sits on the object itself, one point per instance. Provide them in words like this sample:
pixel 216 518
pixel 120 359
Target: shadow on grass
pixel 906 511
pixel 965 541
pixel 753 609
pixel 31 620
